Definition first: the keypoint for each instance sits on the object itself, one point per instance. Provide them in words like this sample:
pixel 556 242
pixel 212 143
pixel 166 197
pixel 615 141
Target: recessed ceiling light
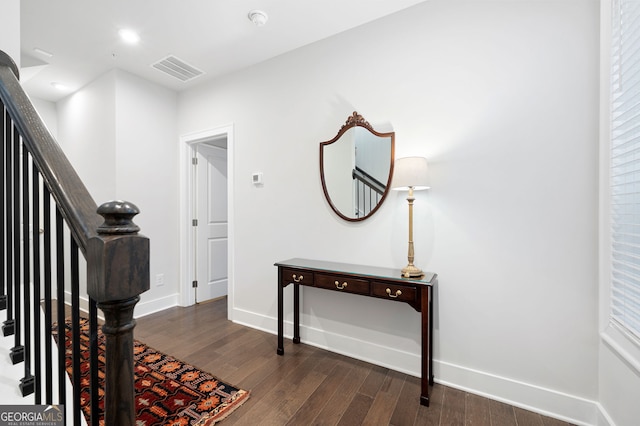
pixel 59 86
pixel 43 52
pixel 258 17
pixel 129 36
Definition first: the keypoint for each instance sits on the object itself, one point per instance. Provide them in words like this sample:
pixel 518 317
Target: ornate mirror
pixel 356 168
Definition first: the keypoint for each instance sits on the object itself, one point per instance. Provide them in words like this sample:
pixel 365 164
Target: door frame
pixel 187 144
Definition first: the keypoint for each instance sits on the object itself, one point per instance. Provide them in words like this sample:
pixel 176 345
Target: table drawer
pixel 296 276
pixel 345 284
pixel 394 292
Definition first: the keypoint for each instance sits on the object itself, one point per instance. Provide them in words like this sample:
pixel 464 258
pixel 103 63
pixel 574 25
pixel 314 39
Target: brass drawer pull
pixel 398 293
pixel 296 279
pixel 341 287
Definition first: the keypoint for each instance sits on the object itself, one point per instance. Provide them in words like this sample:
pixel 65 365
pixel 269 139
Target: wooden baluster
pixel 36 232
pixel 7 299
pixel 17 351
pixel 118 272
pixel 27 383
pixel 6 123
pixel 94 393
pixel 60 306
pixel 48 313
pixel 74 273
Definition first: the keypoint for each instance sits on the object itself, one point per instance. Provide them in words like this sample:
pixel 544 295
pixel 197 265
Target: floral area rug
pixel 168 391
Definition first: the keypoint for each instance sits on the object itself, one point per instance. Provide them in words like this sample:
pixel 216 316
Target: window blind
pixel 625 164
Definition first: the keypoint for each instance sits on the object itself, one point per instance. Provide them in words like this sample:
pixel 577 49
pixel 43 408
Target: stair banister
pixel 71 195
pixel 117 255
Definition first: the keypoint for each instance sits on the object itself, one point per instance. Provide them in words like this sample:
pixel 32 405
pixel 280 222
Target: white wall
pixel 10 29
pixel 87 134
pixel 119 133
pixel 338 160
pixel 48 113
pixel 502 99
pixel 373 155
pixel 147 175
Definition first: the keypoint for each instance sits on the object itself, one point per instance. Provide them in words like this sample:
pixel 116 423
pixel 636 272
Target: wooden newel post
pixel 118 272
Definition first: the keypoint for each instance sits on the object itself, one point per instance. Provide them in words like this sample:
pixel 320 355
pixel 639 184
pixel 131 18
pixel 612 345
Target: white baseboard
pixel 337 343
pixel 563 406
pixel 84 302
pixel 604 419
pixel 548 402
pixel 142 308
pixel 156 305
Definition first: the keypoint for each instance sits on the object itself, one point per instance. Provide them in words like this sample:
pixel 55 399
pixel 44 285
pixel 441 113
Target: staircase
pixel 11 374
pixel 368 192
pixel 51 230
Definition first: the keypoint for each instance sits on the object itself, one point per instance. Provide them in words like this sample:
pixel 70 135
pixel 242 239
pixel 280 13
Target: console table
pixel 371 281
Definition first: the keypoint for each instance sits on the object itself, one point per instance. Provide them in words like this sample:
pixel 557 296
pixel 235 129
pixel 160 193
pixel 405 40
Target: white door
pixel 211 230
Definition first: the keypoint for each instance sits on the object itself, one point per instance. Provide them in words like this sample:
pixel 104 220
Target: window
pixel 625 165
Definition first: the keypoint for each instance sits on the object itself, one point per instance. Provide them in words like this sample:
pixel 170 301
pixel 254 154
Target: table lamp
pixel 410 173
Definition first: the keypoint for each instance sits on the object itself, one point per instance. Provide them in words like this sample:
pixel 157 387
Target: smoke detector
pixel 258 17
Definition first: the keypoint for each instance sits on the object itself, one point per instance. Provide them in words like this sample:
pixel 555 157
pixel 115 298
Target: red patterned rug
pixel 168 391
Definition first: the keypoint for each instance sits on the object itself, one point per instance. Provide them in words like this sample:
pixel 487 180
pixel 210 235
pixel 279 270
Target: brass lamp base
pixel 412 271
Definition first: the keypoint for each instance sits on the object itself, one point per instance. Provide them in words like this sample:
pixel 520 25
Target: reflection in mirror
pixel 356 168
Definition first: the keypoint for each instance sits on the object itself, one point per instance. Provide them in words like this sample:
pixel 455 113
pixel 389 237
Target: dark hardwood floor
pixel 310 386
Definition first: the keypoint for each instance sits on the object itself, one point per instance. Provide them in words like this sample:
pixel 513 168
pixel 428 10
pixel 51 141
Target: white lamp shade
pixel 410 172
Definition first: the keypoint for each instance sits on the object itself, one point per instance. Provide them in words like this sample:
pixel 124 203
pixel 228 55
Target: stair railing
pixel 368 191
pixel 37 173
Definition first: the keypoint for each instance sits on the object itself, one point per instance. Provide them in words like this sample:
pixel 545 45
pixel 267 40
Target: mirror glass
pixel 356 168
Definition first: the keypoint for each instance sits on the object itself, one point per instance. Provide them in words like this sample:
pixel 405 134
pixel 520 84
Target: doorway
pixel 210 223
pixel 206 215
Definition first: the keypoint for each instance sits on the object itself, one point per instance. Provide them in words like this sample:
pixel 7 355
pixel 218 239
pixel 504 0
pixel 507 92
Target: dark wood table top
pixel 360 270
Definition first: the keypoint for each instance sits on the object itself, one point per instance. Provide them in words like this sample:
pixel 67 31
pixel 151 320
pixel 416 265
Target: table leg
pixel 280 350
pixel 431 375
pixel 426 347
pixel 296 313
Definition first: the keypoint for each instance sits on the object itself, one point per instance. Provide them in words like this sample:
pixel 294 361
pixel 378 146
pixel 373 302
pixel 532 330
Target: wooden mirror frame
pixel 356 120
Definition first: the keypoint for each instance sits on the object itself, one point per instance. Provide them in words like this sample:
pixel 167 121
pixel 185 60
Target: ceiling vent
pixel 177 68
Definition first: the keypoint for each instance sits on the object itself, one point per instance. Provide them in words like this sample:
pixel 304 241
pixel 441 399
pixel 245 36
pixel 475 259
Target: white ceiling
pixel 215 36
